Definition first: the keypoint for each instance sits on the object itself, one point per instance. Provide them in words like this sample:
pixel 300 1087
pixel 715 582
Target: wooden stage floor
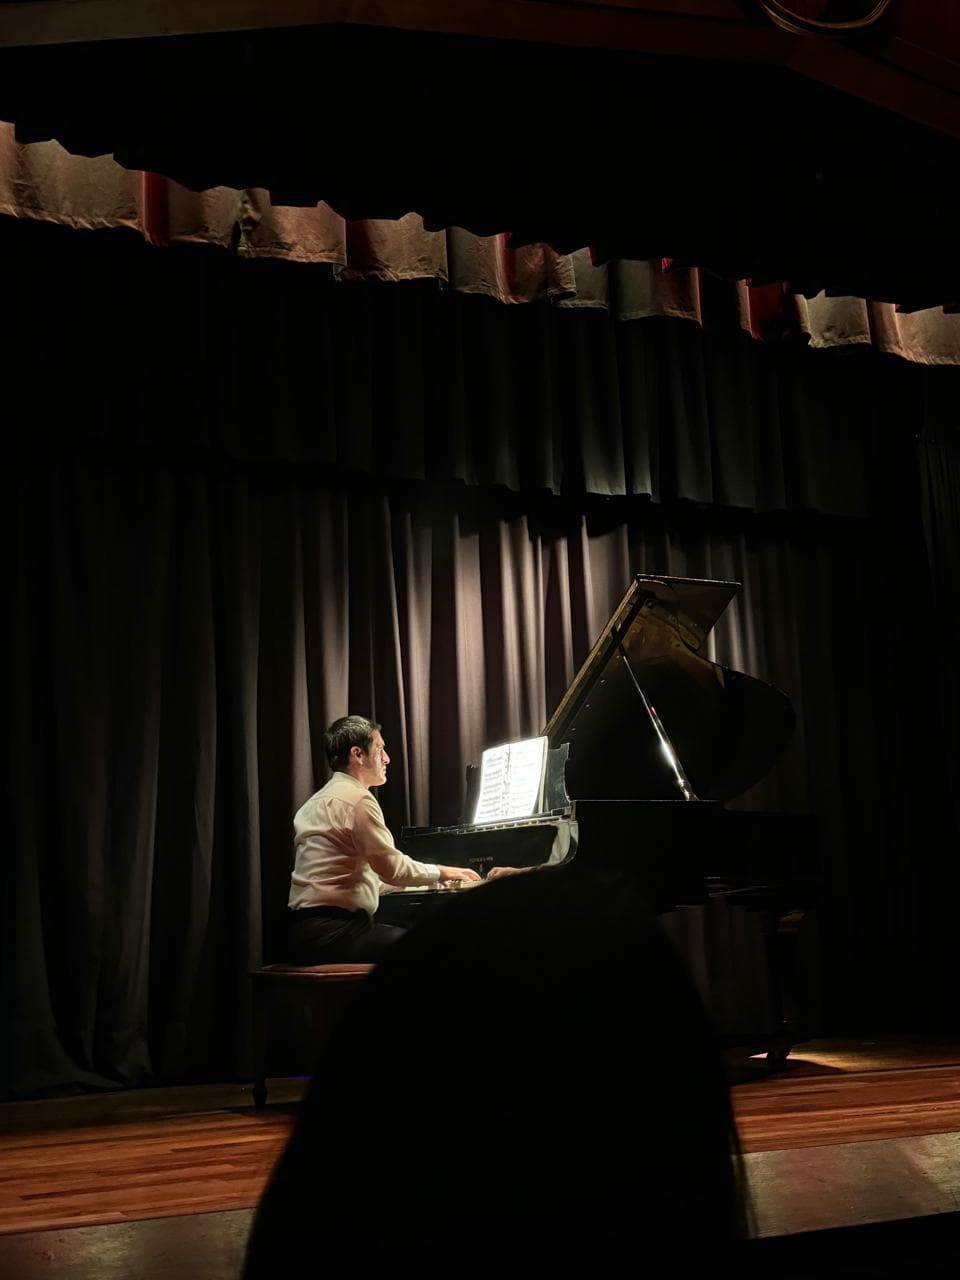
pixel 159 1183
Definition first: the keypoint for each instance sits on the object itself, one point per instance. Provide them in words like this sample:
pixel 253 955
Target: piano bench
pixel 295 1008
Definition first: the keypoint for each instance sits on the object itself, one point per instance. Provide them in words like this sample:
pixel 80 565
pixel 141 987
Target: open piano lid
pixel 647 717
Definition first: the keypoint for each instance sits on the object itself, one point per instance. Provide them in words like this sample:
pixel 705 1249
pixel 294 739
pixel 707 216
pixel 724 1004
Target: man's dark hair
pixel 347 732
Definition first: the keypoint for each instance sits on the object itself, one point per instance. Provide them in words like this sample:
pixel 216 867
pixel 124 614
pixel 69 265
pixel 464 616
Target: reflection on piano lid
pixel 648 717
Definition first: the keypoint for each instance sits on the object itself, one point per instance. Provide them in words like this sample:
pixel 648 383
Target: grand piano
pixel 647 746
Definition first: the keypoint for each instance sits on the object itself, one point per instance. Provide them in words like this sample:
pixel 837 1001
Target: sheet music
pixel 511 780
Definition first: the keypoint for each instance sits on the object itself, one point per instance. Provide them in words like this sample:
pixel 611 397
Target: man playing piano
pixel 345 854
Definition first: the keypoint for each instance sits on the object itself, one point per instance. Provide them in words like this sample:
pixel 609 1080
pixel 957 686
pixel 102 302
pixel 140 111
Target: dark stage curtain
pixel 183 637
pixel 189 614
pixel 938 451
pixel 190 352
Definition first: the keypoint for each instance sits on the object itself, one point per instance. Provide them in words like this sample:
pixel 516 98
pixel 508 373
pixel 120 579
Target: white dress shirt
pixel 344 851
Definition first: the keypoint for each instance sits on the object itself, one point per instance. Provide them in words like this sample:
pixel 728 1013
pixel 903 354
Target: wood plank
pixel 810 1111
pixel 152 1167
pixel 703 28
pixel 914 73
pixel 145 1154
pixel 698 29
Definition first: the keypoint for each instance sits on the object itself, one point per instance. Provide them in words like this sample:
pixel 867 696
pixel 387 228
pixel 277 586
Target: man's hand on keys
pixel 466 874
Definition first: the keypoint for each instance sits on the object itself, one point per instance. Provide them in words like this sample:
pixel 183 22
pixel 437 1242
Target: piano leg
pixel 781 943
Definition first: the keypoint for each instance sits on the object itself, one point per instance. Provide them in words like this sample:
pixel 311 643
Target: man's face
pixel 375 762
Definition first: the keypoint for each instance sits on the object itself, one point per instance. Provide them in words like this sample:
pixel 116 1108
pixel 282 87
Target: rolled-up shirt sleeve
pixel 375 843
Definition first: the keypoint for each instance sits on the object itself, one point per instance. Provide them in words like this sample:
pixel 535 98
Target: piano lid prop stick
pixel 666 745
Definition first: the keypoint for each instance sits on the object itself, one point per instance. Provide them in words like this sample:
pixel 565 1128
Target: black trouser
pixel 332 935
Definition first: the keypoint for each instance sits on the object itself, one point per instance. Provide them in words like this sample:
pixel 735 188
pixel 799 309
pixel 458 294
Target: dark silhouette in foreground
pixel 527 1083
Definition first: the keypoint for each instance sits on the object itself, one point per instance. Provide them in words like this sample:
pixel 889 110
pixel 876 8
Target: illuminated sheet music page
pixel 511 781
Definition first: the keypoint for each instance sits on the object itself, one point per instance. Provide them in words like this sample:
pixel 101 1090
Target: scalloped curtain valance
pixel 43 181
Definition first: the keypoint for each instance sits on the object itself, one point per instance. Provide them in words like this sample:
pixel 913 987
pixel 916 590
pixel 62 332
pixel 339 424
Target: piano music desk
pixel 295 1008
